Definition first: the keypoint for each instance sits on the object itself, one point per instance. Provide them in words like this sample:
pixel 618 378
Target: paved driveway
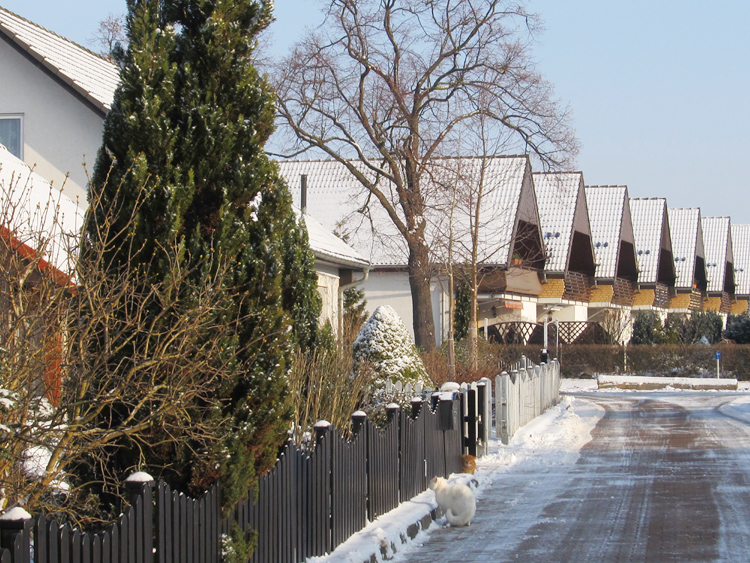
pixel 665 478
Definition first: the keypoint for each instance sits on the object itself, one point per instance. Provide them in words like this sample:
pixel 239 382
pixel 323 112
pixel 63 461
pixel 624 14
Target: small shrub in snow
pixel 385 343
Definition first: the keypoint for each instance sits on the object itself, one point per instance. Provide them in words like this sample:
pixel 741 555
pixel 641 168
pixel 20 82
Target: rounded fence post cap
pixel 15 514
pixel 416 399
pixel 322 424
pixel 450 386
pixel 139 477
pixel 393 406
pixel 360 414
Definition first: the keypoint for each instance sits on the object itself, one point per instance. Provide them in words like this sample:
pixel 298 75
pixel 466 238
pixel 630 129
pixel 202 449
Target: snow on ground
pixel 554 438
pixel 740 407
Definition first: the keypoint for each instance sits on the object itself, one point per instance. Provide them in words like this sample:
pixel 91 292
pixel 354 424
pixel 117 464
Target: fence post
pixel 501 408
pixel 485 412
pixel 416 406
pixel 358 419
pixel 140 485
pixel 15 534
pixel 393 410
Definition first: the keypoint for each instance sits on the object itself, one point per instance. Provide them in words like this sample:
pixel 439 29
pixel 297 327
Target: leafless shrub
pixel 324 386
pixel 77 348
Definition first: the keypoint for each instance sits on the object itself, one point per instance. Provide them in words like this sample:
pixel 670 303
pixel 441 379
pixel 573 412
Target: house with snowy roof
pixel 717 241
pixel 39 233
pixel 570 267
pixel 741 254
pixel 53 119
pixel 689 260
pixel 338 266
pixel 616 271
pixel 509 245
pixel 653 247
pixel 614 246
pixel 53 105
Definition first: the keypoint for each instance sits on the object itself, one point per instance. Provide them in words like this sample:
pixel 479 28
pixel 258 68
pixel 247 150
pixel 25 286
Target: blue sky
pixel 660 89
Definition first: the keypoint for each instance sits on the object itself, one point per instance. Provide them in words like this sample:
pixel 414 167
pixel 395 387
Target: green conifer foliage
pixel 738 328
pixel 300 284
pixel 647 329
pixel 189 122
pixel 385 343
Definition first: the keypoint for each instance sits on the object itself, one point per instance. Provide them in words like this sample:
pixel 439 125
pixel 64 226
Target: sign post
pixel 717 355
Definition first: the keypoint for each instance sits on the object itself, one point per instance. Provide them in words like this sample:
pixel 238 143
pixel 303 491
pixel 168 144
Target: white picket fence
pixel 523 394
pixel 520 396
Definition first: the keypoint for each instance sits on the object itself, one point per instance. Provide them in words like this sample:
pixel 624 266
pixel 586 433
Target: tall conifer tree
pixel 189 123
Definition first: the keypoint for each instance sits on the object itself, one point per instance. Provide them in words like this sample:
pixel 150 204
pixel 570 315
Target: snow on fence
pixel 523 394
pixel 307 505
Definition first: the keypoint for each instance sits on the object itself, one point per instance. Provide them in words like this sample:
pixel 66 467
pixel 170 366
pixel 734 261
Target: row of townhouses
pixel 587 257
pixel 550 247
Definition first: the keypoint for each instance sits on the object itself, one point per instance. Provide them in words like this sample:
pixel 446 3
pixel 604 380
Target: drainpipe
pixel 342 289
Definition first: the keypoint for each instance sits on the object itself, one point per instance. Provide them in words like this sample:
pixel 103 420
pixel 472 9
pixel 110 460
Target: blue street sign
pixel 717 355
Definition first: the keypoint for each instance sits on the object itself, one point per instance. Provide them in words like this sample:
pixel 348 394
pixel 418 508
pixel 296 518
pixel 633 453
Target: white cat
pixel 455 499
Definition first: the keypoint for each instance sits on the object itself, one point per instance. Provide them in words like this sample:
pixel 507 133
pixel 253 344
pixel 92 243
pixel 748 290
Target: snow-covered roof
pixel 38 216
pixel 718 245
pixel 609 217
pixel 741 253
pixel 652 238
pixel 562 210
pixel 687 243
pixel 341 203
pixel 327 247
pixel 92 76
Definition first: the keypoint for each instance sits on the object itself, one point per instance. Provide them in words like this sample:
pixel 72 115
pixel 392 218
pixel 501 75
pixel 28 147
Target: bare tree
pixel 110 33
pixel 389 83
pixel 61 332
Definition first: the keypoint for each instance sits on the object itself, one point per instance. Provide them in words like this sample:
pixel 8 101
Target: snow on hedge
pixel 387 345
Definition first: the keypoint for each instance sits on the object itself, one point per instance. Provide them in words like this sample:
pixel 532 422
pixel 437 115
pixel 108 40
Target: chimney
pixel 303 193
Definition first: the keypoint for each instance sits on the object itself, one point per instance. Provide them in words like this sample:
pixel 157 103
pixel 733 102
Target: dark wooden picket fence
pixel 307 505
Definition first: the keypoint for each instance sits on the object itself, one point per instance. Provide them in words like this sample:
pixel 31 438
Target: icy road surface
pixel 665 477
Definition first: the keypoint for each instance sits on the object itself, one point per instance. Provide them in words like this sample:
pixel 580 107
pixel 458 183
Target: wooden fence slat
pixel 53 541
pixel 75 546
pixel 86 548
pixel 106 548
pixel 96 549
pixel 65 544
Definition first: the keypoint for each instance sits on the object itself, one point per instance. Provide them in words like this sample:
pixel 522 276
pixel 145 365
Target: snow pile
pixel 385 343
pixel 554 438
pixel 646 383
pixel 739 408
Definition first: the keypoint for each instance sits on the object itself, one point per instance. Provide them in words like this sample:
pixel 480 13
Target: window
pixel 11 134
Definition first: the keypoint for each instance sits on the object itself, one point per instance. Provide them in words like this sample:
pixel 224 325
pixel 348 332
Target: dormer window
pixel 11 134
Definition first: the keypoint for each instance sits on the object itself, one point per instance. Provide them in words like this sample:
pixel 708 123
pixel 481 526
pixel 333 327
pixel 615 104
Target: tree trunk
pixel 473 320
pixel 421 297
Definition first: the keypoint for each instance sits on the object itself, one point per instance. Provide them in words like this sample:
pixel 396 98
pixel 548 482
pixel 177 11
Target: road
pixel 665 478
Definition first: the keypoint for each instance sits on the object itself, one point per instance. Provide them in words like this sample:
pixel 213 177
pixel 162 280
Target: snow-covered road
pixel 665 477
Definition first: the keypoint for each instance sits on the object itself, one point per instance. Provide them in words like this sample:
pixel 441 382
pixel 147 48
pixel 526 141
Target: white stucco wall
pixel 392 288
pixel 59 131
pixel 567 312
pixel 328 287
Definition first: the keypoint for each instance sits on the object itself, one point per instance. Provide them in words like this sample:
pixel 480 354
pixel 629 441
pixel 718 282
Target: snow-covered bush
pixel 385 343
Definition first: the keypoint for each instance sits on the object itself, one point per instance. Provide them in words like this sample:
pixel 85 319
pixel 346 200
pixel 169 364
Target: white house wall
pixel 58 129
pixel 568 313
pixel 392 288
pixel 328 287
